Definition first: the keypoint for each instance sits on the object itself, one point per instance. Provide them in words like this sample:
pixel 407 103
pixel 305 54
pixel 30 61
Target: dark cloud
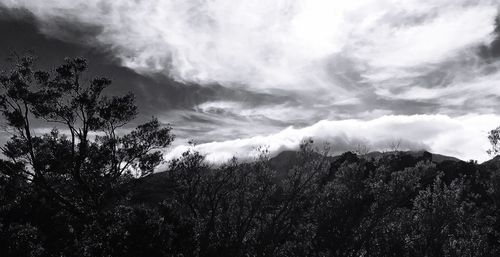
pixel 218 77
pixel 156 95
pixel 495 45
pixel 492 50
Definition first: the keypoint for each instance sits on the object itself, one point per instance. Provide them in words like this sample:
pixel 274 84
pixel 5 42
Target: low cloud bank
pixel 464 137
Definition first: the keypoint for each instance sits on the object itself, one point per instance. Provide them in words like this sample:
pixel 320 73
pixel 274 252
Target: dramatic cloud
pixel 297 62
pixel 279 44
pixel 464 137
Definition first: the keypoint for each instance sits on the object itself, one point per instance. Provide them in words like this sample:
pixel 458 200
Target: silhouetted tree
pixel 82 190
pixel 81 169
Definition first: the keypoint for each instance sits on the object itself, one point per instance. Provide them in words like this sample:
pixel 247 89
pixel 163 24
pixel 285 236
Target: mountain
pixel 493 164
pixel 157 186
pixel 437 158
pixel 288 159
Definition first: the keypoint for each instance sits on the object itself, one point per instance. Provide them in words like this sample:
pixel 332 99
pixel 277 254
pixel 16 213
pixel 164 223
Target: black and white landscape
pixel 250 128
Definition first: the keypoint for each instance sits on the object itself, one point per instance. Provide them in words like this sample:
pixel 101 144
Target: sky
pixel 234 76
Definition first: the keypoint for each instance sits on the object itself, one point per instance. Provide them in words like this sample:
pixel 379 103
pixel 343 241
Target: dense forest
pixel 87 189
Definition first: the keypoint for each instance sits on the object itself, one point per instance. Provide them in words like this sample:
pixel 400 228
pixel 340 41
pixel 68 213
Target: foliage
pixel 78 168
pixel 88 189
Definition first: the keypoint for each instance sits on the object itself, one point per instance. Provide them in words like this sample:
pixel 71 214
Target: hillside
pixel 157 186
pixel 287 159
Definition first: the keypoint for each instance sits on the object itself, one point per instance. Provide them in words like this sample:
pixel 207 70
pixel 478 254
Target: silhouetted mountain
pixel 493 164
pixel 157 186
pixel 151 189
pixel 288 159
pixel 437 158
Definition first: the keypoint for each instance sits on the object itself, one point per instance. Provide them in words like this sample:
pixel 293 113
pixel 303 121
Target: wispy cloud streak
pixel 274 44
pixel 326 60
pixel 464 137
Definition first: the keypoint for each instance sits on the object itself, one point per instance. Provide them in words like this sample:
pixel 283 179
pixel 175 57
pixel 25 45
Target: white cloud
pixel 451 28
pixel 327 55
pixel 280 112
pixel 474 87
pixel 280 44
pixel 464 137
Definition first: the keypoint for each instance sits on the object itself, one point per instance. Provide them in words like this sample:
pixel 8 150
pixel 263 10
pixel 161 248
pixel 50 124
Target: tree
pixel 82 161
pixel 446 221
pixel 494 138
pixel 82 189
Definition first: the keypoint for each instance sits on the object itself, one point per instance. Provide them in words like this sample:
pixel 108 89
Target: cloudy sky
pixel 234 75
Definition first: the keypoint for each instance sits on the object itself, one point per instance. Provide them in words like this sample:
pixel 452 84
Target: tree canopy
pixel 87 188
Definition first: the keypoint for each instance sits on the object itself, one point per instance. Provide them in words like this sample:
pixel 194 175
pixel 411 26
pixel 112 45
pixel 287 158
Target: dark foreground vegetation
pixel 67 193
